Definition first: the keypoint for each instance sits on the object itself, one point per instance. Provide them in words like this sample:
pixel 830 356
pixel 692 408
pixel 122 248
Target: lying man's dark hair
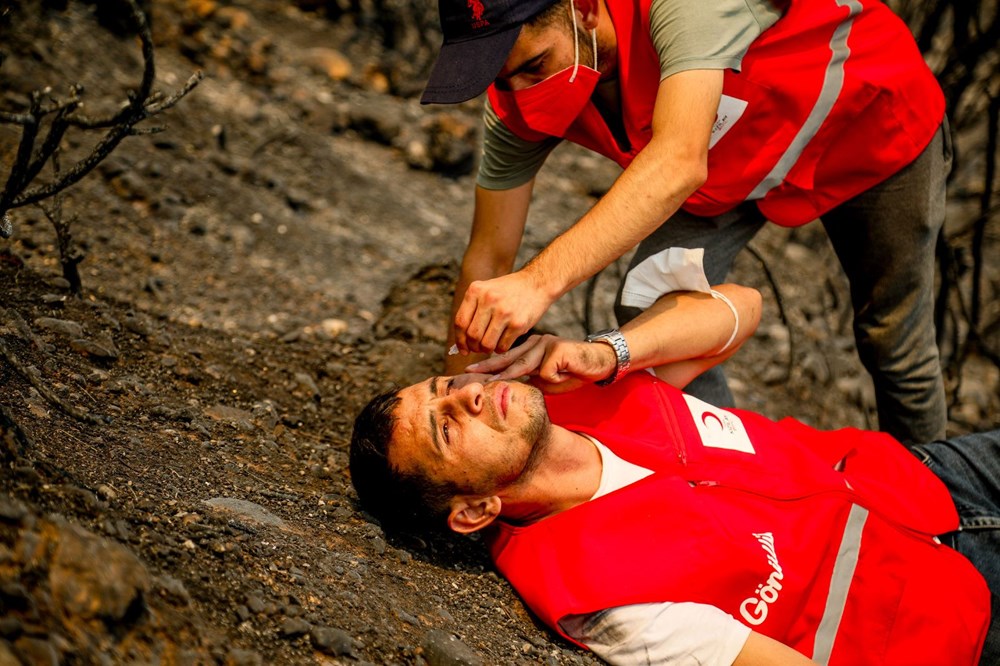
pixel 400 502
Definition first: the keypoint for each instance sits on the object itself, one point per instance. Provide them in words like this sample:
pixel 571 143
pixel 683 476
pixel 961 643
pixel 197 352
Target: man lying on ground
pixel 652 527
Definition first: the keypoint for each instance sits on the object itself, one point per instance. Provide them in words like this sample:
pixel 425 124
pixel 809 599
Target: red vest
pixel 751 516
pixel 838 98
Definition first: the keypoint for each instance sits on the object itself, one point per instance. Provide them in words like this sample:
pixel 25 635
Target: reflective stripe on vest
pixel 833 83
pixel 840 583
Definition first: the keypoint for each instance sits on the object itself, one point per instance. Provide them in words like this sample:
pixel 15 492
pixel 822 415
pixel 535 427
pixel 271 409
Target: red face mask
pixel 551 106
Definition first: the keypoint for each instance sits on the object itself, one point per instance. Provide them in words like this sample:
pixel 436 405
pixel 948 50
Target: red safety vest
pixel 835 98
pixel 753 517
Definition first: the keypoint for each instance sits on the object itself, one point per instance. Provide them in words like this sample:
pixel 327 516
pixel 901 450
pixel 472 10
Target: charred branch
pixel 61 115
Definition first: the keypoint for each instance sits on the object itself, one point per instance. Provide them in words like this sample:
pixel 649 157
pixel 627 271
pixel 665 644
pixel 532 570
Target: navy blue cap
pixel 478 37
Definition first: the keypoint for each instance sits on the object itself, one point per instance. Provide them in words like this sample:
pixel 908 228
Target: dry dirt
pixel 174 485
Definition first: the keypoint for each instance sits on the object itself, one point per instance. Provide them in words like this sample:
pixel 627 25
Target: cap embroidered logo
pixel 478 37
pixel 477 14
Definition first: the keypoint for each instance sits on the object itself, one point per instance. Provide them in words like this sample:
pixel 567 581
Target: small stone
pixel 174 588
pixel 237 657
pixel 442 648
pixel 308 383
pixel 240 418
pixel 137 324
pixel 70 329
pixel 12 510
pixel 331 328
pixel 58 281
pixel 293 627
pixel 103 349
pixel 106 492
pixel 246 509
pixel 331 641
pixel 255 603
pixel 265 416
pixel 406 617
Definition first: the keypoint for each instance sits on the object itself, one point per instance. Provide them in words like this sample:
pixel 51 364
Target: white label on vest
pixel 718 428
pixel 730 110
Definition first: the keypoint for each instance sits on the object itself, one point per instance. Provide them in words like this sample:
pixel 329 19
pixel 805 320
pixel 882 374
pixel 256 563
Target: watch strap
pixel 623 359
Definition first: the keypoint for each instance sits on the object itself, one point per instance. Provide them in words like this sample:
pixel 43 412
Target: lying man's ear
pixel 469 514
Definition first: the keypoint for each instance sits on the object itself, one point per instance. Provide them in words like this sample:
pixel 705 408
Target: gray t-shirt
pixel 687 34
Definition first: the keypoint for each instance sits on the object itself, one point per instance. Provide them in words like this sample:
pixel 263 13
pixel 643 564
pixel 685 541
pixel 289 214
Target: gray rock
pixel 99 349
pixel 106 492
pixel 138 324
pixel 237 657
pixel 265 416
pixel 173 588
pixel 246 509
pixel 240 418
pixel 70 329
pixel 406 617
pixel 308 383
pixel 331 641
pixel 12 510
pixel 293 627
pixel 255 603
pixel 442 648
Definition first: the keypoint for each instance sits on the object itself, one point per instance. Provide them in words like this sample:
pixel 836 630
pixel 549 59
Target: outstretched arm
pixel 680 336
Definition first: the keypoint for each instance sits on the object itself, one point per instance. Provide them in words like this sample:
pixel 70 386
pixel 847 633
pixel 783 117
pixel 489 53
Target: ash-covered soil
pixel 174 483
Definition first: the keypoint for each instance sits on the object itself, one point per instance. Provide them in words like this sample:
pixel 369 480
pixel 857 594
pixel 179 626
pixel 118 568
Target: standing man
pixel 724 115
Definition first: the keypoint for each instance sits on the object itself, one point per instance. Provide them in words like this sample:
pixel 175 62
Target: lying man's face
pixel 460 430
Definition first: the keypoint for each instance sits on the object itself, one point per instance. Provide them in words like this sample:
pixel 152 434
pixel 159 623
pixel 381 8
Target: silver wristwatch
pixel 613 337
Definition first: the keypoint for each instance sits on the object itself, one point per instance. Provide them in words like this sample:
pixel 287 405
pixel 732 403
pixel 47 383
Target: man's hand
pixel 554 364
pixel 495 312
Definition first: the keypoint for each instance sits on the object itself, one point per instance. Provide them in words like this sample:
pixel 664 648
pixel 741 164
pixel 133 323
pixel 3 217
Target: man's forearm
pixel 639 202
pixel 661 177
pixel 685 333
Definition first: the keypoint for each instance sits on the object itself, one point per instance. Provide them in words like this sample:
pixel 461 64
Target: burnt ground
pixel 174 482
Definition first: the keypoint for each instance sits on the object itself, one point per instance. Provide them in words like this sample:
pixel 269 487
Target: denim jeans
pixel 970 467
pixel 885 239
